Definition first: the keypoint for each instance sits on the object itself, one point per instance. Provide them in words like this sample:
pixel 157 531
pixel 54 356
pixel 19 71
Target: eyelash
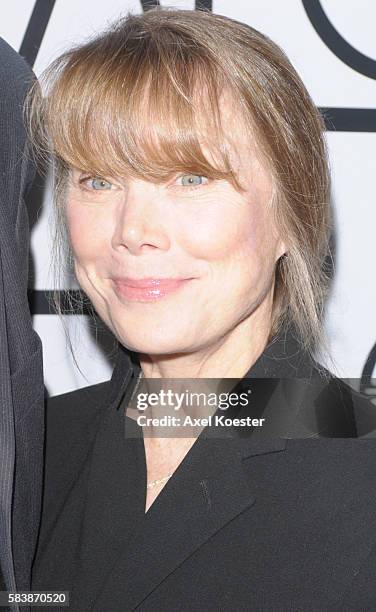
pixel 84 179
pixel 193 187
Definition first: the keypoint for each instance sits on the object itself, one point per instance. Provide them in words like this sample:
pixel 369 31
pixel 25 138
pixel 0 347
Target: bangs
pixel 140 107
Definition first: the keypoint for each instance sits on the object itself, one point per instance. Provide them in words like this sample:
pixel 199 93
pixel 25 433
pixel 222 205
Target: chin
pixel 156 344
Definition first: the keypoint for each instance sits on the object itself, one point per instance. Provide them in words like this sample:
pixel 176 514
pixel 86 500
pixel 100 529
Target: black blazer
pixel 247 522
pixel 21 374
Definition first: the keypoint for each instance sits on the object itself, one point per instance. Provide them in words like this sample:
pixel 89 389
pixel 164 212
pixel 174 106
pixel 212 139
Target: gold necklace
pixel 153 483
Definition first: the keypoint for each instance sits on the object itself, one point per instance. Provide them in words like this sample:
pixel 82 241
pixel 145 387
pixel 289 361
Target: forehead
pixel 138 128
pixel 241 142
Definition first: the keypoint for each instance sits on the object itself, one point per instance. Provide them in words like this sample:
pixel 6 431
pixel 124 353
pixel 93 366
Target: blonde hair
pixel 137 99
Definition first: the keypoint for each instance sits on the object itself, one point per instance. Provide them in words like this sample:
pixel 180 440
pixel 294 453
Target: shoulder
pixel 76 408
pixel 328 484
pixel 336 401
pixel 72 422
pixel 72 419
pixel 330 406
pixel 329 458
pixel 80 403
pixel 331 472
pixel 320 473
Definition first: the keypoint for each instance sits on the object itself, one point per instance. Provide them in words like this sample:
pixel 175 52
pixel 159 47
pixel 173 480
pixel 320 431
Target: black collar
pixel 331 408
pixel 283 357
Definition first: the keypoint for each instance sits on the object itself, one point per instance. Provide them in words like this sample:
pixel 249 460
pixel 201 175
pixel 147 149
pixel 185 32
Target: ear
pixel 281 249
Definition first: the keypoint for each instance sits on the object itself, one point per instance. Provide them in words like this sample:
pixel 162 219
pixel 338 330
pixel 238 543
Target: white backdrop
pixel 350 318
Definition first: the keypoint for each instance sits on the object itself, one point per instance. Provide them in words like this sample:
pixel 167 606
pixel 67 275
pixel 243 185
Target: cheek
pixel 228 233
pixel 88 232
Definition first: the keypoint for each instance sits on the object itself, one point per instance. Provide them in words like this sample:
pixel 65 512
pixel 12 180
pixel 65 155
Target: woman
pixel 192 184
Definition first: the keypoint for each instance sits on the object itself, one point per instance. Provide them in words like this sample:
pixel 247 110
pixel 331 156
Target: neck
pixel 230 357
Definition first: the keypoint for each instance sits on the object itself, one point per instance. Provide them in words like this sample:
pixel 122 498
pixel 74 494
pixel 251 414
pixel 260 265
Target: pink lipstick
pixel 148 289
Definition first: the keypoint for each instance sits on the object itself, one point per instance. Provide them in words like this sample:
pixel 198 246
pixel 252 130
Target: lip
pixel 148 289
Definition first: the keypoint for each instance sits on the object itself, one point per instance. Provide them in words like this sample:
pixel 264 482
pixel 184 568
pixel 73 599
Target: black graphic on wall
pixel 368 377
pixel 336 43
pixel 343 119
pixel 35 30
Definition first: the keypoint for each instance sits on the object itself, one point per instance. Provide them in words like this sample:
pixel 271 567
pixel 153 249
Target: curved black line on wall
pixel 369 368
pixel 203 5
pixel 336 43
pixel 149 4
pixel 35 30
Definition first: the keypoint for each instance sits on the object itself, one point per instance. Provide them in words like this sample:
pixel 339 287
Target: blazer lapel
pixel 208 490
pixel 110 515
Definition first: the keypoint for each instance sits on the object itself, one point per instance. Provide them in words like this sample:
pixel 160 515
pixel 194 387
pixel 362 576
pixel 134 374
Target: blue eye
pixel 99 184
pixel 191 180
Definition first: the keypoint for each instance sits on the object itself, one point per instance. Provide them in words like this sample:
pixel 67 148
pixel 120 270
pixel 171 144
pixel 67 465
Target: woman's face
pixel 187 228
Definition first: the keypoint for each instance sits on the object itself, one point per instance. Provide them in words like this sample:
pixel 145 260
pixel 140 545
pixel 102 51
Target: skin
pixel 218 324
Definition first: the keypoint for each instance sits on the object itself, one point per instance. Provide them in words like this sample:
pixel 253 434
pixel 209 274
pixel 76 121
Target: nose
pixel 139 219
